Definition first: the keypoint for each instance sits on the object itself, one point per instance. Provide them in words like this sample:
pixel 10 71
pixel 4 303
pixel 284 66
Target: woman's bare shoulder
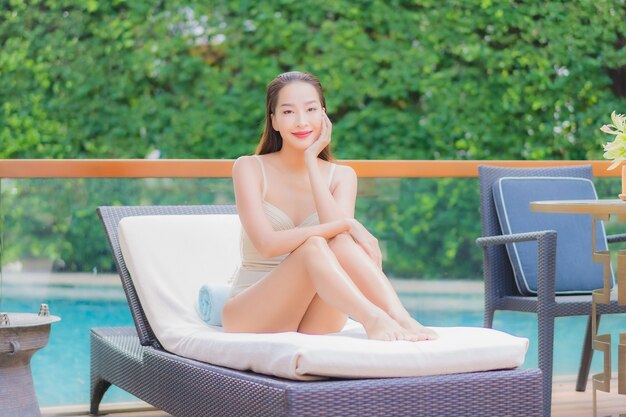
pixel 245 159
pixel 245 164
pixel 345 172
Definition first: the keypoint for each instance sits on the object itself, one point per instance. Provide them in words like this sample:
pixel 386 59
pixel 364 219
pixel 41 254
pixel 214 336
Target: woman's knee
pixel 314 249
pixel 314 244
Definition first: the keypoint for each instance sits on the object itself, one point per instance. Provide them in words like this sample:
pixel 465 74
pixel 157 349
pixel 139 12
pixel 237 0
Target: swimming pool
pixel 61 370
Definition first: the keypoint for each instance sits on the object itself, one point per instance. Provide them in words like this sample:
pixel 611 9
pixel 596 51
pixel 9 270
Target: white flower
pixel 616 150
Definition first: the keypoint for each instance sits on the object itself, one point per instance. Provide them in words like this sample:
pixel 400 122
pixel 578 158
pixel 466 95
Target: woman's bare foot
pixel 385 328
pixel 416 328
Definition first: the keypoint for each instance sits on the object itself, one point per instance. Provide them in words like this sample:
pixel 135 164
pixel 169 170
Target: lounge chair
pixel 552 291
pixel 134 360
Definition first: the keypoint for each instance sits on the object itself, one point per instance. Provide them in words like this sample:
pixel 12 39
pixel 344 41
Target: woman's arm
pixel 338 204
pixel 247 180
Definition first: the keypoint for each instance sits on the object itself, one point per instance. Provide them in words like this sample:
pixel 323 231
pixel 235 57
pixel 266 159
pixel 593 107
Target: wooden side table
pixel 21 335
pixel 600 210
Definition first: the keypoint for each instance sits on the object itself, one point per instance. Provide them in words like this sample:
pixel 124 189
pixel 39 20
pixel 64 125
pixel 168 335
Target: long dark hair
pixel 271 140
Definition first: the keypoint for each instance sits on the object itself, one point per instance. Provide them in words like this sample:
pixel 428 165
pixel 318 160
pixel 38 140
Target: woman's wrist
pixel 310 160
pixel 351 223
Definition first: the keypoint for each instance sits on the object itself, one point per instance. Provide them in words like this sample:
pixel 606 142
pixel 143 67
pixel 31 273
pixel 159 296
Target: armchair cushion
pixel 576 273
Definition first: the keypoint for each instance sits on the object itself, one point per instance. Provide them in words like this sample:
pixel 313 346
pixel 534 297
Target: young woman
pixel 307 263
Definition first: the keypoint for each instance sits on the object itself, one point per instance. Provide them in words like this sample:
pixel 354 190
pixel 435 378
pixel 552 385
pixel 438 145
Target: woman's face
pixel 298 114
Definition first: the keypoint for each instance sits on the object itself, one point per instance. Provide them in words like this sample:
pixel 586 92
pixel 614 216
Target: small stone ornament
pixel 44 311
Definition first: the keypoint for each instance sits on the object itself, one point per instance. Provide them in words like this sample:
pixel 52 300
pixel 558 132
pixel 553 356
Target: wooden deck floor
pixel 566 402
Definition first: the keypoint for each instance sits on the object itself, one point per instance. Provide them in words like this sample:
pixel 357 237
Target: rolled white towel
pixel 211 299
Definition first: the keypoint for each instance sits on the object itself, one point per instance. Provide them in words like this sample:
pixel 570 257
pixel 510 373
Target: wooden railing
pixel 221 168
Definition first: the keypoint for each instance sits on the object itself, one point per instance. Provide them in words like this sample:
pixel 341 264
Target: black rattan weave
pixel 500 290
pixel 188 388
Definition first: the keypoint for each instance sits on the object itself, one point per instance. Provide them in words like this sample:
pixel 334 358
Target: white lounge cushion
pixel 170 257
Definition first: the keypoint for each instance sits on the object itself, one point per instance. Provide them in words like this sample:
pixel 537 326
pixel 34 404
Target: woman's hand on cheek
pixel 323 140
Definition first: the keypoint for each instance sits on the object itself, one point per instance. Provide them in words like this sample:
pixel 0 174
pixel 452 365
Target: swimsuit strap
pixel 331 174
pixel 258 158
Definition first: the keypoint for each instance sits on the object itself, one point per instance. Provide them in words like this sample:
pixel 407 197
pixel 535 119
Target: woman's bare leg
pixel 373 282
pixel 322 318
pixel 284 299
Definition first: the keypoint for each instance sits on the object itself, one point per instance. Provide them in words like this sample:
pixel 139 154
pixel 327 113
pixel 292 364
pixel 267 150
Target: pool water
pixel 61 369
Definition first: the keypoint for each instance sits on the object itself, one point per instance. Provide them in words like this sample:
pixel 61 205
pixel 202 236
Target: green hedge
pixel 404 79
pixel 423 79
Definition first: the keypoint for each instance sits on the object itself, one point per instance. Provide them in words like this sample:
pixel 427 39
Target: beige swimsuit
pixel 254 266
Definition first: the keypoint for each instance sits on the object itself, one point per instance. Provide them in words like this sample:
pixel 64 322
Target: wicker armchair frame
pixel 501 292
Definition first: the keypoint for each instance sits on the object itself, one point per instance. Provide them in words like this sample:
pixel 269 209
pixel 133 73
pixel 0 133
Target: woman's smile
pixel 302 134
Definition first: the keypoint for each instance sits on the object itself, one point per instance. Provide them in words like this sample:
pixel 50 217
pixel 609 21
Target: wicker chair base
pixel 188 388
